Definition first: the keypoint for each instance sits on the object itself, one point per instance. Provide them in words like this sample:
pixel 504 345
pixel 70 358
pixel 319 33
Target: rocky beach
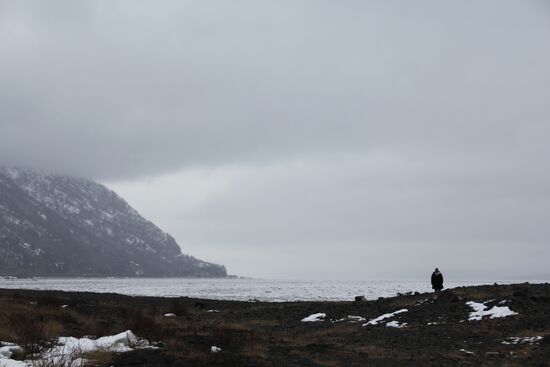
pixel 494 325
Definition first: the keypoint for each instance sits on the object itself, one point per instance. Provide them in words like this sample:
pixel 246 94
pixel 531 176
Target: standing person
pixel 437 280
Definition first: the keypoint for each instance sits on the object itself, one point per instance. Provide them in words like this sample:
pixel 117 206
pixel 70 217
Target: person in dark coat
pixel 437 280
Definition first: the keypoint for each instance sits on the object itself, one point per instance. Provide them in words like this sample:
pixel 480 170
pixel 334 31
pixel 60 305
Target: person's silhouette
pixel 437 280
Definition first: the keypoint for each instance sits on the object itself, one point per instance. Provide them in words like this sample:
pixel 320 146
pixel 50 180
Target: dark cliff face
pixel 60 226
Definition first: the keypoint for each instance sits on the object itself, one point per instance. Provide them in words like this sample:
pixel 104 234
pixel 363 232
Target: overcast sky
pixel 298 139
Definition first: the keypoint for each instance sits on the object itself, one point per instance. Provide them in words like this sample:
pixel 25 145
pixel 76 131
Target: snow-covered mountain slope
pixel 54 225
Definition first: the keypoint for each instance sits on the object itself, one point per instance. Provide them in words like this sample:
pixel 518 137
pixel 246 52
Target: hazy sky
pixel 298 139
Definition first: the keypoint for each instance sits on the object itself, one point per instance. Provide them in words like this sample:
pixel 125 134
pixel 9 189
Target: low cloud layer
pixel 359 134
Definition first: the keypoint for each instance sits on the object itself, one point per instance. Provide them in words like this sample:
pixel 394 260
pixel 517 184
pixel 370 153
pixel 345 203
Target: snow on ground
pixel 467 351
pixel 351 318
pixel 315 317
pixel 170 315
pixel 215 349
pixel 395 324
pixel 385 316
pixel 495 312
pixel 522 340
pixel 68 350
pixel 421 302
pixel 5 354
pixel 12 363
pixel 123 342
pixel 8 350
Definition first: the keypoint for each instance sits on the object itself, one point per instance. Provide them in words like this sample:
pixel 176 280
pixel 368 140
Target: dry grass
pixel 257 351
pixel 30 325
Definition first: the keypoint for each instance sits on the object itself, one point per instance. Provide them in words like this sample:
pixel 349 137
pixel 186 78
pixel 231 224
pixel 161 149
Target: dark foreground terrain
pixel 435 331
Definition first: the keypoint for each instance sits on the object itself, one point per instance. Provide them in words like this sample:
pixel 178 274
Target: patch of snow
pixel 395 324
pixel 12 363
pixel 7 351
pixel 215 349
pixel 11 219
pixel 421 302
pixel 522 340
pixel 149 248
pixel 495 312
pixel 64 306
pixel 467 351
pixel 213 311
pixel 123 342
pixel 315 317
pixel 170 315
pixel 68 347
pixel 89 222
pixel 351 318
pixel 385 316
pixel 106 215
pixel 72 209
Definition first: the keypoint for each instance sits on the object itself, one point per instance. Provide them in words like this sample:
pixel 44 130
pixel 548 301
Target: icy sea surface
pixel 235 289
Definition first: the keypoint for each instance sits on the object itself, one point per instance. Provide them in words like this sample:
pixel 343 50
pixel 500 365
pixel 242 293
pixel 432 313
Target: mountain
pixel 52 225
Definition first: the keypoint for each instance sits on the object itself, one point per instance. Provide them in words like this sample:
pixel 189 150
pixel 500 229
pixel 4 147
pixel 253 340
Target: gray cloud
pixel 332 122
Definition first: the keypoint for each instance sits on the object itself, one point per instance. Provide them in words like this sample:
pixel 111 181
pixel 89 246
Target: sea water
pixel 236 288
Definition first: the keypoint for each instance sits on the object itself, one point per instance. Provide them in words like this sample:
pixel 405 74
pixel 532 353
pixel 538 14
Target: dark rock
pixel 360 299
